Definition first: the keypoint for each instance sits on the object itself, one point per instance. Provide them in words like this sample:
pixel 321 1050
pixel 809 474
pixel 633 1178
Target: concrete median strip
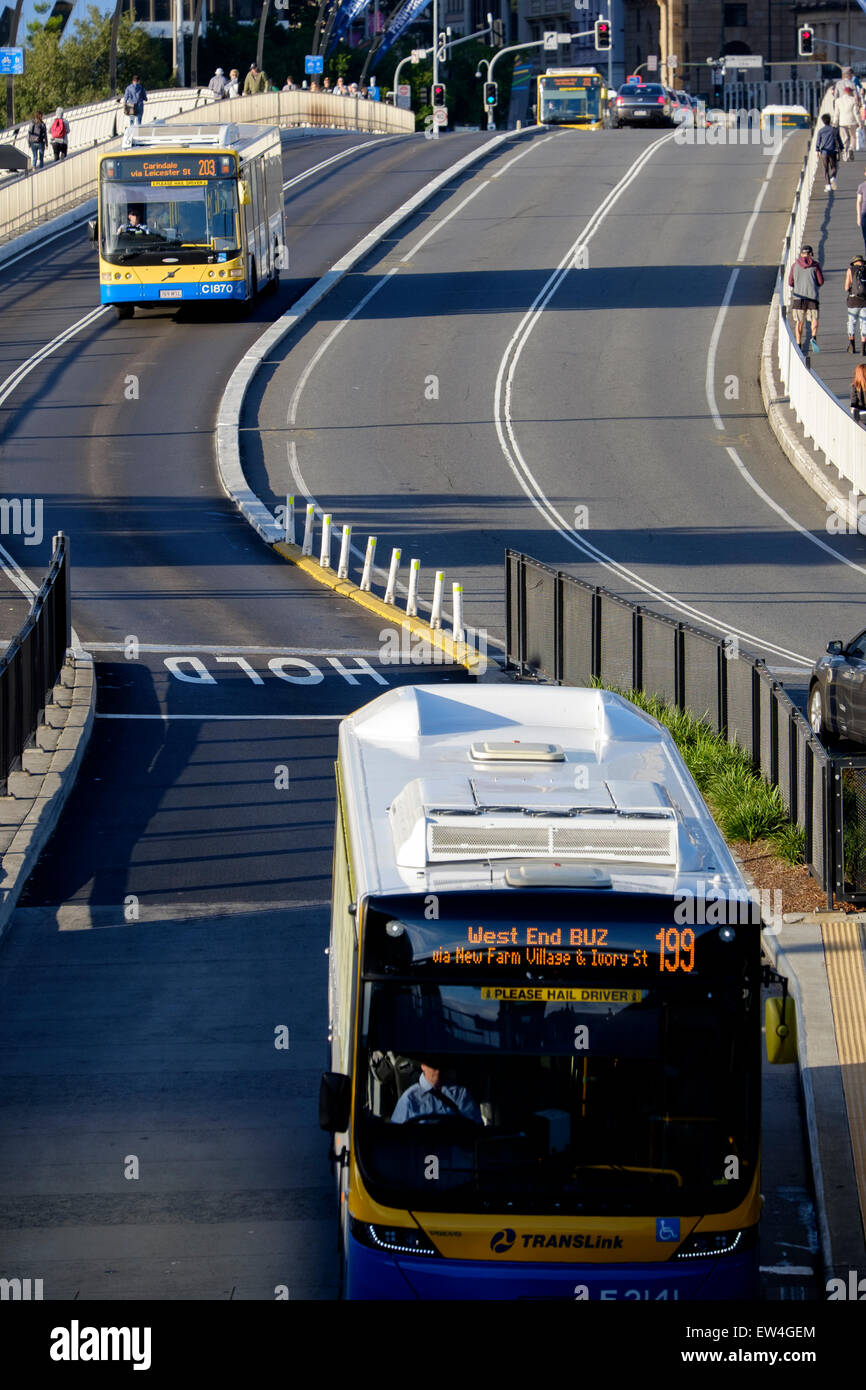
pixel 229 464
pixel 37 793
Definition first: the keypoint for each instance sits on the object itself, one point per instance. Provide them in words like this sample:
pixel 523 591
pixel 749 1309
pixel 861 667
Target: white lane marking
pixel 787 1269
pixel 9 565
pixel 34 250
pixel 236 717
pixel 214 650
pixel 747 234
pixel 16 377
pixel 323 347
pixel 786 516
pixel 533 146
pixel 341 154
pixel 439 225
pixel 518 465
pixel 709 381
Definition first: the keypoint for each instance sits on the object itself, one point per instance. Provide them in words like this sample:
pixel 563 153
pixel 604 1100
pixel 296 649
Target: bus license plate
pixel 170 294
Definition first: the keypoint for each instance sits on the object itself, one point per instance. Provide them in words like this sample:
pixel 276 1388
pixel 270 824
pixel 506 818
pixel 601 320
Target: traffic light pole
pixel 435 62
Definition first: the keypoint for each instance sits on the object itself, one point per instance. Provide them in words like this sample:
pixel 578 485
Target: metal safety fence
pixel 32 662
pixel 566 630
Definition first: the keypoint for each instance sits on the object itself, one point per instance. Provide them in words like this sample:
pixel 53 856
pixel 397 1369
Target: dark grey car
pixel 837 692
pixel 644 103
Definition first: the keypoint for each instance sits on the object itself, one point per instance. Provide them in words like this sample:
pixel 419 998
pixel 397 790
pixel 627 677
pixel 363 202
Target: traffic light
pixel 498 34
pixel 806 44
pixel 602 35
pixel 439 94
pixel 491 93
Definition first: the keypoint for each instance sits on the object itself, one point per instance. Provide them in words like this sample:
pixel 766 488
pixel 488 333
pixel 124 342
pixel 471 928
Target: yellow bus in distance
pixel 575 97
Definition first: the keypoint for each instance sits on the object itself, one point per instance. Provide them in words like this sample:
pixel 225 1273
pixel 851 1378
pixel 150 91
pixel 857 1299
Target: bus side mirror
pixel 244 193
pixel 834 648
pixel 335 1097
pixel 93 230
pixel 780 1029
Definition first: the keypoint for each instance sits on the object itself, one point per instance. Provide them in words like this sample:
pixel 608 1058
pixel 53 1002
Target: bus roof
pixel 447 787
pixel 163 135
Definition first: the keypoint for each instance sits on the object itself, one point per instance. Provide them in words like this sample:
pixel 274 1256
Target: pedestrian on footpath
pixel 805 278
pixel 829 147
pixel 847 109
pixel 855 289
pixel 234 84
pixel 255 82
pixel 59 132
pixel 861 210
pixel 858 392
pixel 37 139
pixel 133 101
pixel 218 85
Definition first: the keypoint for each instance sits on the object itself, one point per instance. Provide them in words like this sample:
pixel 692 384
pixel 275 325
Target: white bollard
pixel 290 521
pixel 367 574
pixel 436 613
pixel 458 631
pixel 343 570
pixel 325 552
pixel 307 548
pixel 412 598
pixel 392 575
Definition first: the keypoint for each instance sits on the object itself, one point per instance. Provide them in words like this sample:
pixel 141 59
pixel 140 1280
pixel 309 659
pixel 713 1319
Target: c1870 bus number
pixel 676 949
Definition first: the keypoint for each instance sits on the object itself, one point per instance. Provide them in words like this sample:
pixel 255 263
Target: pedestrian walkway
pixel 833 233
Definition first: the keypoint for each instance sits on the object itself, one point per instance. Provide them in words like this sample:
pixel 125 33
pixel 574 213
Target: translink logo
pixel 504 1240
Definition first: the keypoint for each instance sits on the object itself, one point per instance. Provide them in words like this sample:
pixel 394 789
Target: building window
pixel 735 16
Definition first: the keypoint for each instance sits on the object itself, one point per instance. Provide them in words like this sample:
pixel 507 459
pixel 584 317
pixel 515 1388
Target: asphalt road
pixel 476 400
pixel 179 915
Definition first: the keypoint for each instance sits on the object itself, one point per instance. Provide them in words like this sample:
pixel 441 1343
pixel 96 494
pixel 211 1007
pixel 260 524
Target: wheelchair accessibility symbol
pixel 667 1228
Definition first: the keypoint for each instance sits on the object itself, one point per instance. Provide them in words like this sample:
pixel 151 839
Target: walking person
pixel 861 210
pixel 233 87
pixel 37 139
pixel 847 109
pixel 805 278
pixel 858 393
pixel 133 101
pixel 855 289
pixel 829 147
pixel 218 84
pixel 255 82
pixel 59 132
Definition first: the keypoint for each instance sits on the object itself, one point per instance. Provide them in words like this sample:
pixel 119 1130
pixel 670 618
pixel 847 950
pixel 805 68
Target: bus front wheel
pixel 124 311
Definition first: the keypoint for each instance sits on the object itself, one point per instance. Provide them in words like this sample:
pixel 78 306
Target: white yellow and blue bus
pixel 575 97
pixel 535 917
pixel 189 213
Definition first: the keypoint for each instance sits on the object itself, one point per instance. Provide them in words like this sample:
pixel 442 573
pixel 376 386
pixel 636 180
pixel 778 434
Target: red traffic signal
pixel 806 45
pixel 602 35
pixel 439 94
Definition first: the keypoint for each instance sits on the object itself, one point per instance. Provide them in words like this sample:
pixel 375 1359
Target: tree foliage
pixel 75 72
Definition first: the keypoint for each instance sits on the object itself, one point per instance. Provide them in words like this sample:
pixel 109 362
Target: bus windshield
pixel 569 100
pixel 142 222
pixel 628 1104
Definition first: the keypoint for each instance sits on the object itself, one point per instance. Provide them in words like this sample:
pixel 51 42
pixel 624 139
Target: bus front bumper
pixel 374 1274
pixel 174 294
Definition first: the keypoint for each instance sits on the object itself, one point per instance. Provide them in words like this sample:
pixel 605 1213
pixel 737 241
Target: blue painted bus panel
pixel 374 1274
pixel 139 294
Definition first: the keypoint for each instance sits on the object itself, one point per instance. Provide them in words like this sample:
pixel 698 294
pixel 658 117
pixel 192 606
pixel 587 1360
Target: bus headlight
pixel 392 1240
pixel 211 274
pixel 712 1244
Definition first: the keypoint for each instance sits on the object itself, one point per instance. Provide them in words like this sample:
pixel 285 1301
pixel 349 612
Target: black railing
pixel 572 632
pixel 32 663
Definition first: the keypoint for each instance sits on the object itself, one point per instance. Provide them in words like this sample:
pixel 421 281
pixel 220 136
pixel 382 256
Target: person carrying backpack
pixel 37 139
pixel 829 147
pixel 59 132
pixel 855 288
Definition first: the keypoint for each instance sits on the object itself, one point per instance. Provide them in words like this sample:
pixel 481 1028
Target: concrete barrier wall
pixel 28 199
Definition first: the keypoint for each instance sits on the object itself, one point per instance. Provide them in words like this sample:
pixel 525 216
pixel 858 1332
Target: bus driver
pixel 133 225
pixel 429 1097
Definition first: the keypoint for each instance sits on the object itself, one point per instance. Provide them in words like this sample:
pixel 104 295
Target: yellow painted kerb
pixel 460 653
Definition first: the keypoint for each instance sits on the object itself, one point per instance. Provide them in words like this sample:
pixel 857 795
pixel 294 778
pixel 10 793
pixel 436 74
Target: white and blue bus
pixel 545 975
